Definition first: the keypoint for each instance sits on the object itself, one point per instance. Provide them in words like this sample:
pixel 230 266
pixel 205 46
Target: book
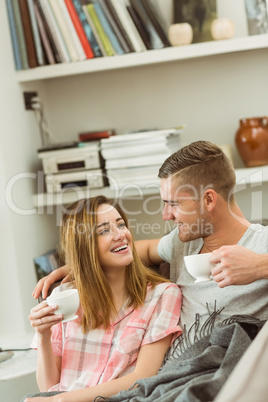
pixel 14 35
pixel 87 28
pixel 128 25
pixel 109 50
pixel 95 135
pixel 79 29
pixel 119 25
pixel 155 42
pixel 28 34
pixel 141 29
pixel 36 35
pixel 67 37
pixel 89 19
pixel 145 135
pixel 142 148
pixel 114 25
pixel 146 160
pixel 45 39
pixel 257 20
pixel 46 263
pixel 55 31
pixel 69 23
pixel 157 21
pixel 20 33
pixel 107 28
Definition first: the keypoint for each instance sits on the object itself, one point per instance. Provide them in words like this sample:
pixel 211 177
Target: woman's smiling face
pixel 113 238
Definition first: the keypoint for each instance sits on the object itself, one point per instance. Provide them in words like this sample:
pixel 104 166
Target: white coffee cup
pixel 199 266
pixel 67 302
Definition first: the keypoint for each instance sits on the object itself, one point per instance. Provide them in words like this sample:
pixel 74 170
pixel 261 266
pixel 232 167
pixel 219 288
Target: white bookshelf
pixel 170 54
pixel 247 176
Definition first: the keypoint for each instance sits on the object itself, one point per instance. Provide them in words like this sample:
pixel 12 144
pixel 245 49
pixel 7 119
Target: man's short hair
pixel 201 165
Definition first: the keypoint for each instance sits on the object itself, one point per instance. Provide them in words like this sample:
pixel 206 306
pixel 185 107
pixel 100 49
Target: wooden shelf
pixel 252 176
pixel 149 57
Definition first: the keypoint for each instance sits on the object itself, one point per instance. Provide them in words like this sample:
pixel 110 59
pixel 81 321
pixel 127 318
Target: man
pixel 197 187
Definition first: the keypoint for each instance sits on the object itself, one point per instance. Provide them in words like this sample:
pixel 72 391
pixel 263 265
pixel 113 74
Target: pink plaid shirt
pixel 102 355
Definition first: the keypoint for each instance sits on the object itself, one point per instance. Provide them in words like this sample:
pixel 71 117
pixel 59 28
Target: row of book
pixel 45 32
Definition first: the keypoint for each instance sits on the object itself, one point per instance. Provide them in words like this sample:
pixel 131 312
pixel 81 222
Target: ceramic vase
pixel 252 141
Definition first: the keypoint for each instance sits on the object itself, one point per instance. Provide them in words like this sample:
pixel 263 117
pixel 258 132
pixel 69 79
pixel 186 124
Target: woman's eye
pixel 122 225
pixel 103 232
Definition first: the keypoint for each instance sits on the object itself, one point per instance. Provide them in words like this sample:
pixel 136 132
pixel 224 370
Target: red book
pixel 79 29
pixel 95 135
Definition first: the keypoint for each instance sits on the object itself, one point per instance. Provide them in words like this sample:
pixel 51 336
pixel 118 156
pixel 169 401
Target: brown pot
pixel 252 141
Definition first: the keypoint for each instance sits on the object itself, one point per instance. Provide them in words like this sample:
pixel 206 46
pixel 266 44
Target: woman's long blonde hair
pixel 79 249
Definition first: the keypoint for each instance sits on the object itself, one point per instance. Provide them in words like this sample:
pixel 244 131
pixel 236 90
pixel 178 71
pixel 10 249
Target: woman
pixel 128 315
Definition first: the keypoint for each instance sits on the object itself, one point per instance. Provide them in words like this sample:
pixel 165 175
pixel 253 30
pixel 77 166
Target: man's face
pixel 186 208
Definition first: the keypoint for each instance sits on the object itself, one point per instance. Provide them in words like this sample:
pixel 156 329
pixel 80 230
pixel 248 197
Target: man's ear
pixel 210 198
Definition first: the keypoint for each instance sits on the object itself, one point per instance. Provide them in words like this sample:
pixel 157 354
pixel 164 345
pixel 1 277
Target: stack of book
pixel 60 31
pixel 73 164
pixel 136 157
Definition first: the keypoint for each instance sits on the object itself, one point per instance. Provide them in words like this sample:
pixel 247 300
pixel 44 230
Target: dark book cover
pixel 52 45
pixel 114 26
pixel 199 14
pixel 140 27
pixel 119 24
pixel 28 33
pixel 156 20
pixel 153 39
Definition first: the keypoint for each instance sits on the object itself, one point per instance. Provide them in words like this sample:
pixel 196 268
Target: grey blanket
pixel 199 372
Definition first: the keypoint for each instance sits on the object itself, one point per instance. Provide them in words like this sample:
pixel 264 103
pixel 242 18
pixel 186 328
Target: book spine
pixel 114 26
pixel 99 28
pixel 64 29
pixel 79 29
pixel 43 35
pixel 21 38
pixel 87 28
pixel 128 25
pixel 36 36
pixel 107 28
pixel 14 35
pixel 48 32
pixel 69 23
pixel 140 27
pixel 119 24
pixel 28 34
pixel 155 41
pixel 89 19
pixel 156 21
pixel 55 31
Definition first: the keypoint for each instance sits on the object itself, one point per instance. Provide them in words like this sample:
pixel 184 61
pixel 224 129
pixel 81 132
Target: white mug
pixel 199 266
pixel 67 302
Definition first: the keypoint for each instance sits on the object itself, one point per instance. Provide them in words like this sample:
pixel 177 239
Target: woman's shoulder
pixel 164 287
